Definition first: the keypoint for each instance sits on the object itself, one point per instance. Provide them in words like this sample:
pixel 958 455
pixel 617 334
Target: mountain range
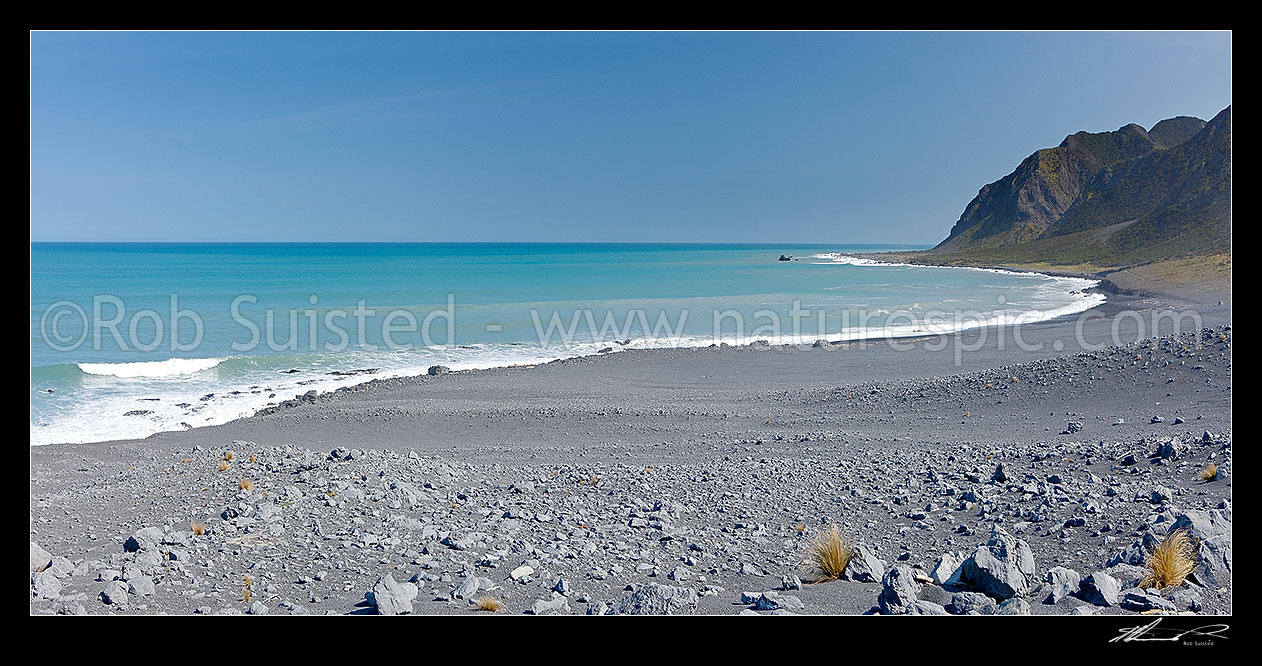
pixel 1106 199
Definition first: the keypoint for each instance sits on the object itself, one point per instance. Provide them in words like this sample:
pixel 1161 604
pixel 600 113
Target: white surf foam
pixel 838 258
pixel 168 368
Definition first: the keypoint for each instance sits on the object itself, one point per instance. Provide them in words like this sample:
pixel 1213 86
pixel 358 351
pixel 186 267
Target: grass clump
pixel 489 604
pixel 223 465
pixel 829 553
pixel 197 527
pixel 1171 561
pixel 1208 474
pixel 245 484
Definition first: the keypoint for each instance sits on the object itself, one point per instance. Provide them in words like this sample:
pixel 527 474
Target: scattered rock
pixel 1136 599
pixel 40 558
pixel 1013 606
pixel 898 590
pixel 44 585
pixel 115 593
pixel 1100 589
pixel 557 605
pixel 145 539
pixel 1002 568
pixel 864 566
pixel 655 599
pixel 972 603
pixel 771 600
pixel 945 567
pixel 391 598
pixel 141 586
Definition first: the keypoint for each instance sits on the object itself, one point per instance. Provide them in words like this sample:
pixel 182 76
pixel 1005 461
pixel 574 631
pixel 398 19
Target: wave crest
pixel 171 367
pixel 849 260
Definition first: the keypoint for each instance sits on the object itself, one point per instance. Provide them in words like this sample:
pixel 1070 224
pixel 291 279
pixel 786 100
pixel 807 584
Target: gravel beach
pixel 1002 479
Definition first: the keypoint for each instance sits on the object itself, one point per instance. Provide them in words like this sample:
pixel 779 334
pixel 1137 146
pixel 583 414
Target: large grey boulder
pixel 115 593
pixel 141 586
pixel 40 558
pixel 1003 568
pixel 44 584
pixel 1211 531
pixel 772 600
pixel 467 588
pixel 1171 449
pixel 1013 606
pixel 1062 583
pixel 655 599
pixel 1100 589
pixel 1183 598
pixel 1136 599
pixel 944 568
pixel 557 605
pixel 899 590
pixel 922 607
pixel 1058 575
pixel 144 539
pixel 60 567
pixel 864 566
pixel 971 603
pixel 392 598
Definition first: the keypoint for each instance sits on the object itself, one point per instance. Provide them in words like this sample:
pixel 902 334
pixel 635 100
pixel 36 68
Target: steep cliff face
pixel 1020 206
pixel 1137 188
pixel 1027 202
pixel 1161 191
pixel 1194 211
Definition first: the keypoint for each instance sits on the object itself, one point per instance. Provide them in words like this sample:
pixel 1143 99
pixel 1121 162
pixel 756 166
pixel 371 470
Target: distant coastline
pixel 1195 278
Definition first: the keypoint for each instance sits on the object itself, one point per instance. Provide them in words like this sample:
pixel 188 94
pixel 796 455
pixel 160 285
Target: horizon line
pixel 546 242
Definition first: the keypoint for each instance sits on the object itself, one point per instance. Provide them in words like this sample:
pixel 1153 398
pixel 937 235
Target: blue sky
pixel 705 137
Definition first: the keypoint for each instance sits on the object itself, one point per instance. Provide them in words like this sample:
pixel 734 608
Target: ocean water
pixel 129 339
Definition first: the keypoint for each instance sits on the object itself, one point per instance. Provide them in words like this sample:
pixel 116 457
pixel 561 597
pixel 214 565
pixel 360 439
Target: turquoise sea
pixel 128 339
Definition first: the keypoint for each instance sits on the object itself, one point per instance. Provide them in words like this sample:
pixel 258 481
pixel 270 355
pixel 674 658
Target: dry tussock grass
pixel 1171 562
pixel 830 553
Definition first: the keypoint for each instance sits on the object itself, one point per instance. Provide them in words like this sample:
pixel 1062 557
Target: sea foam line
pixel 850 260
pixel 168 368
